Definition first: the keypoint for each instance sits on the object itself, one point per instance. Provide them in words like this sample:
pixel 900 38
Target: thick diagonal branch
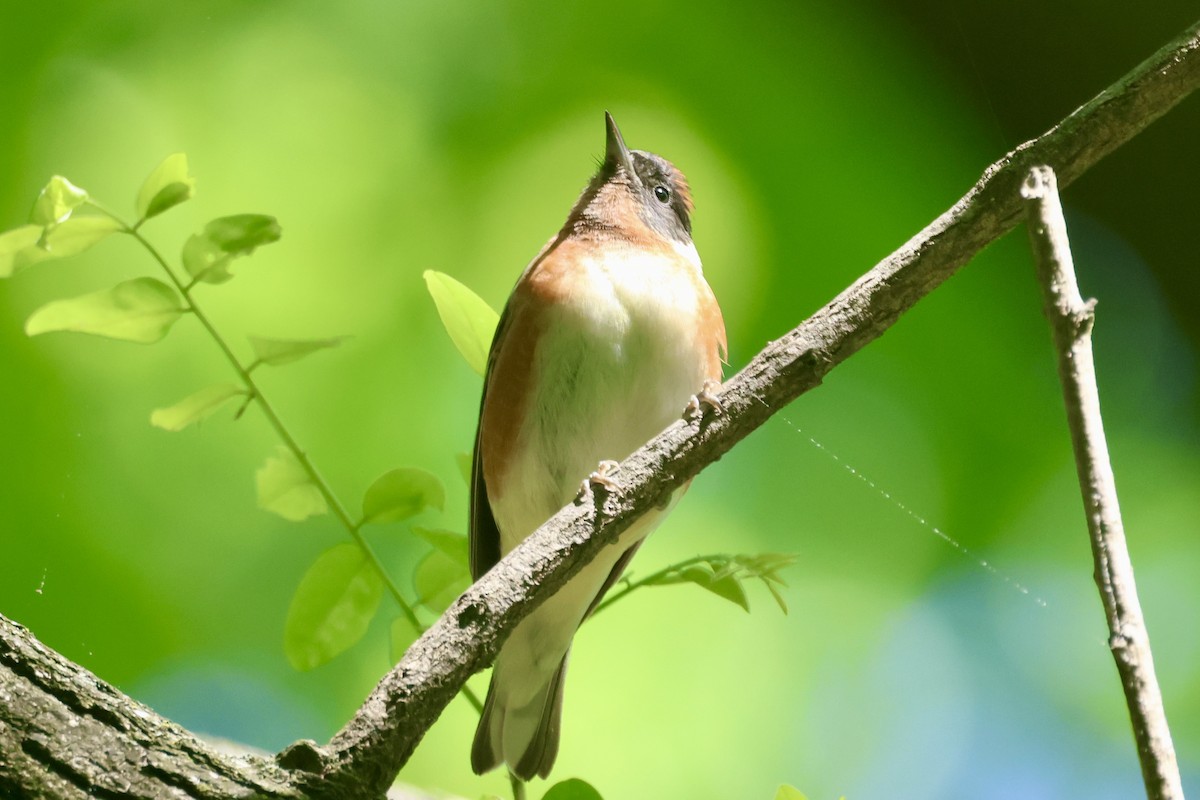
pixel 379 739
pixel 1071 326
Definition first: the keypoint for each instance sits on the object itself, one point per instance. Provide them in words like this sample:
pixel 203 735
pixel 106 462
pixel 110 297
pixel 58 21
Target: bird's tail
pixel 525 737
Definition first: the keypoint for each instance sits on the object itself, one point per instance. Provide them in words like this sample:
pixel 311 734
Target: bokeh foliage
pixel 390 140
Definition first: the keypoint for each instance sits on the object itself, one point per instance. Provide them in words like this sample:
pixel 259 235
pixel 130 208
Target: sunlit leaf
pixel 18 249
pixel 140 310
pixel 204 260
pixel 451 543
pixel 726 586
pixel 167 186
pixel 572 789
pixel 195 407
pixel 332 607
pixel 285 488
pixel 77 234
pixel 463 460
pixel 789 793
pixel 56 201
pixel 240 234
pixel 277 352
pixel 439 579
pixel 403 634
pixel 469 320
pixel 402 493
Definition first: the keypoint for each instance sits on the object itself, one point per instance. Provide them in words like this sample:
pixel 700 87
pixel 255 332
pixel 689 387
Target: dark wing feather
pixel 483 534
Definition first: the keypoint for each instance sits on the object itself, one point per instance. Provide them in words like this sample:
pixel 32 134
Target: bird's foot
pixel 705 397
pixel 601 477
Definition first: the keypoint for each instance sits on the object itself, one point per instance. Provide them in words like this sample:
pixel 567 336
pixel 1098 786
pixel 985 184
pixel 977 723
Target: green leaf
pixel 332 607
pixel 402 493
pixel 451 543
pixel 285 488
pixel 18 249
pixel 726 586
pixel 140 310
pixel 469 320
pixel 464 466
pixel 56 201
pixel 207 255
pixel 439 579
pixel 276 352
pixel 240 234
pixel 204 260
pixel 403 634
pixel 572 789
pixel 195 407
pixel 77 234
pixel 168 185
pixel 789 793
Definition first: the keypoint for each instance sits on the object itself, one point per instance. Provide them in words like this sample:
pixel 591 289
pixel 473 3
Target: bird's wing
pixel 483 533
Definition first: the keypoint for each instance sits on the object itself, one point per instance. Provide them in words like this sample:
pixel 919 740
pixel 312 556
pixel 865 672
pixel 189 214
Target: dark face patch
pixel 665 204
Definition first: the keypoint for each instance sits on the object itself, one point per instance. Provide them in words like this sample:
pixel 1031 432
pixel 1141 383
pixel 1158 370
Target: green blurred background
pixel 390 138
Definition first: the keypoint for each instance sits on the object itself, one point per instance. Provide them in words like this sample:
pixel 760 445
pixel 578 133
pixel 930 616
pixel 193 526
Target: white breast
pixel 616 366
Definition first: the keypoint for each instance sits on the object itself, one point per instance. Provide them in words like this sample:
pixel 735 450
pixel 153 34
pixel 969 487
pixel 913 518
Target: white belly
pixel 613 371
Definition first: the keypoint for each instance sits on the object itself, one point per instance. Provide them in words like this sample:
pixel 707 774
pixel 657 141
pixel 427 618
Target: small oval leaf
pixel 451 543
pixel 438 580
pixel 277 352
pixel 167 186
pixel 572 789
pixel 240 234
pixel 56 201
pixel 140 310
pixel 402 493
pixel 18 249
pixel 204 261
pixel 194 407
pixel 469 320
pixel 78 234
pixel 403 634
pixel 284 487
pixel 332 607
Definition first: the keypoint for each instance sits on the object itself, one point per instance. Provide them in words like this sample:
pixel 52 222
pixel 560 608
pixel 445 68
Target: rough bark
pixel 1071 321
pixel 364 758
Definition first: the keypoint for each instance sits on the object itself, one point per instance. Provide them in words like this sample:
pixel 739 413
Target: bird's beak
pixel 615 150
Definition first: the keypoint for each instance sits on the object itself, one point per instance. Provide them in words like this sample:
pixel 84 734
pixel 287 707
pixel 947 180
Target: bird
pixel 610 334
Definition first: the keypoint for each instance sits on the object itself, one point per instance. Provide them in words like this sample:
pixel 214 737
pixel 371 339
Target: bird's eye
pixel 662 193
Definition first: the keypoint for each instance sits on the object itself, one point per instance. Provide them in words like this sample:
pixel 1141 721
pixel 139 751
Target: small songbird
pixel 610 334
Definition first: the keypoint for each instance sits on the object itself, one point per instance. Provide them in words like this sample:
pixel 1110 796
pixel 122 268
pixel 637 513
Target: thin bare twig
pixel 1071 322
pixel 372 747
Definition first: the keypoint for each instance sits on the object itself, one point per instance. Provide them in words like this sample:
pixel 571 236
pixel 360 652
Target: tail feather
pixel 527 738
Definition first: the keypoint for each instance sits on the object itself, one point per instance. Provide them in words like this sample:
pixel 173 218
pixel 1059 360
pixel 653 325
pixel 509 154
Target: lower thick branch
pixel 64 733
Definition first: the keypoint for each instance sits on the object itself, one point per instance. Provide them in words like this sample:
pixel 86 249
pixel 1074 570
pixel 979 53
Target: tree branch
pixel 128 741
pixel 1071 322
pixel 373 745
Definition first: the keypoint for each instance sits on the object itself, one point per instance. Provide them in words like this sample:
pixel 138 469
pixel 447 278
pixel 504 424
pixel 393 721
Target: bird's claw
pixel 600 477
pixel 705 397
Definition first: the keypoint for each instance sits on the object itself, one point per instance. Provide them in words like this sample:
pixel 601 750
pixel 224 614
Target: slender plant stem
pixel 1071 322
pixel 518 787
pixel 285 435
pixel 289 441
pixel 631 585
